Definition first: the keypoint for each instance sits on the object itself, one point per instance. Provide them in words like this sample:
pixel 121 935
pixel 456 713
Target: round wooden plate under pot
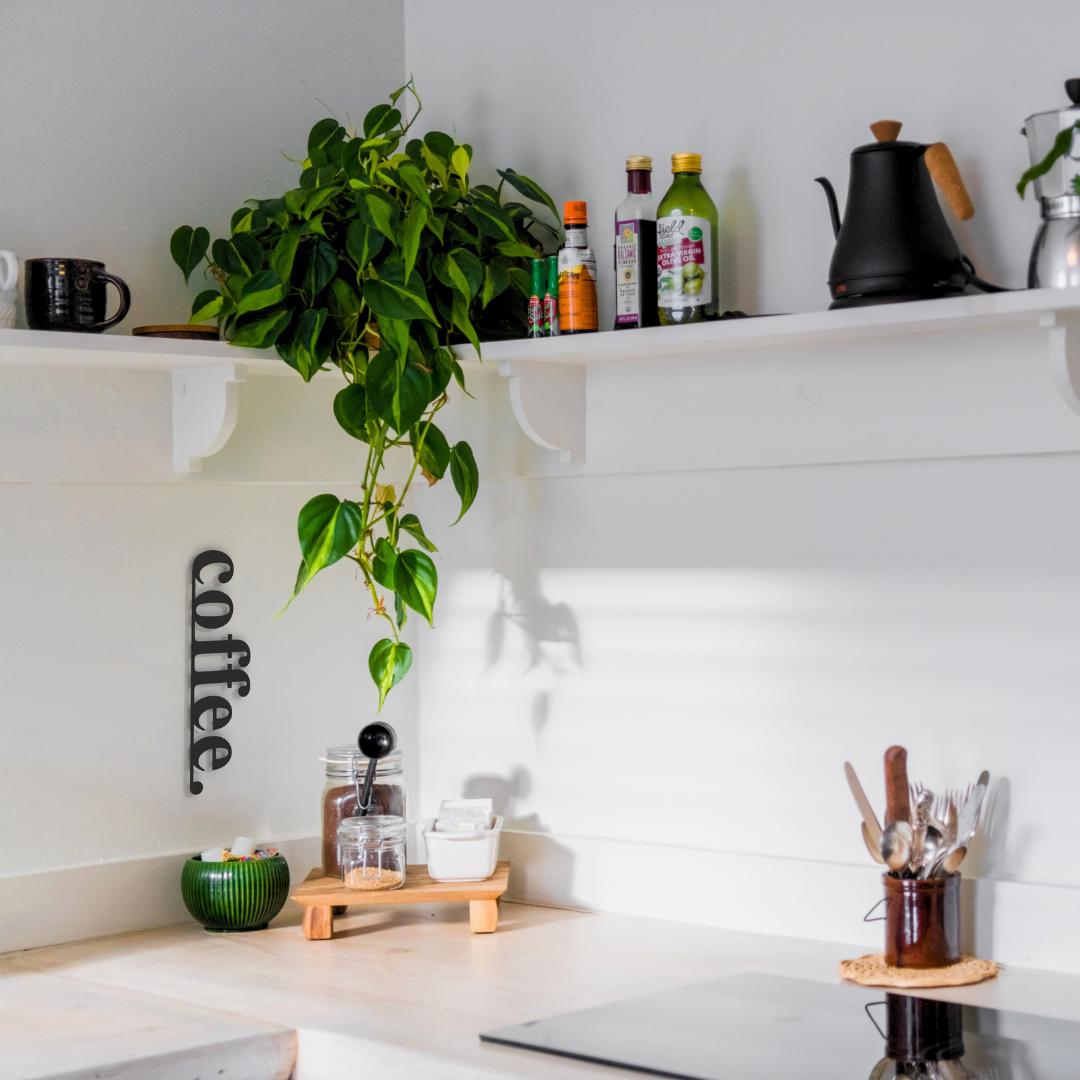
pixel 179 330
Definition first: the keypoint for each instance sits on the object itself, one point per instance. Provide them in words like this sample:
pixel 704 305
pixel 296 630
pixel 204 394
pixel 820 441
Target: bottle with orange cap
pixel 577 275
pixel 687 265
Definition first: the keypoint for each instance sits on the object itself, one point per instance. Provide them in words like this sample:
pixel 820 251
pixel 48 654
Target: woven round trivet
pixel 871 970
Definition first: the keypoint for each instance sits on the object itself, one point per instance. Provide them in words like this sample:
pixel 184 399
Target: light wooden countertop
pixel 399 992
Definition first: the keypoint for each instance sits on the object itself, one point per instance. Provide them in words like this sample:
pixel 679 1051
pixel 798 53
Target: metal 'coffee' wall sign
pixel 212 609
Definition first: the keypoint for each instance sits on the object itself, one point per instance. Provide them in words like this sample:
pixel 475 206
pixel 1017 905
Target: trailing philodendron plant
pixel 381 259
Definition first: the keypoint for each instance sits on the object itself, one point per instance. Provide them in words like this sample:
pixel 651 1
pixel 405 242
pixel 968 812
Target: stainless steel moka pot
pixel 1055 255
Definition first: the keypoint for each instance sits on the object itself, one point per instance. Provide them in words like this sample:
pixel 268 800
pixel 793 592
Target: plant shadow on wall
pixel 541 868
pixel 378 263
pixel 542 624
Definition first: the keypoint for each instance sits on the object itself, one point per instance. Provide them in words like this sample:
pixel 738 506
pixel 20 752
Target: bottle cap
pixel 538 273
pixel 574 213
pixel 639 161
pixel 553 274
pixel 686 163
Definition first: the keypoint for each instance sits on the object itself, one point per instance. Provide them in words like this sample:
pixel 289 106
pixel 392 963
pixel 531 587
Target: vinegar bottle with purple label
pixel 635 249
pixel 686 247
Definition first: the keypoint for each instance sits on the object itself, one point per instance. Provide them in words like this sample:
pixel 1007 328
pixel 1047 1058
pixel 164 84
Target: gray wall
pixel 123 119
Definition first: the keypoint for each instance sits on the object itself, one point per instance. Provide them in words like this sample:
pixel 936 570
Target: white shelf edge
pixel 1022 307
pixel 547 378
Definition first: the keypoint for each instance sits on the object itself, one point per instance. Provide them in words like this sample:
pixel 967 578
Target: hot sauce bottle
pixel 577 275
pixel 536 305
pixel 551 298
pixel 635 249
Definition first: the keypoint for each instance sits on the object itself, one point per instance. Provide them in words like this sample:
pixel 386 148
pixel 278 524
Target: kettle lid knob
pixel 886 130
pixel 1072 88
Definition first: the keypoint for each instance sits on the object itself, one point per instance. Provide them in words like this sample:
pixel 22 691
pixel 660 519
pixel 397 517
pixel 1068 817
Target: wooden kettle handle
pixel 897 799
pixel 939 161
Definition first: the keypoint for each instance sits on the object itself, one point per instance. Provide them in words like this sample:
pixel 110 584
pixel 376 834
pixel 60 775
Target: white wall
pixel 121 121
pixel 765 624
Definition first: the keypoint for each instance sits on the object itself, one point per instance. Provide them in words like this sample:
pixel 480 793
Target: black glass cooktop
pixel 763 1027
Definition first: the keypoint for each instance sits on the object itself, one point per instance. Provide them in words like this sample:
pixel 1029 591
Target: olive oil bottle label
pixel 627 290
pixel 683 263
pixel 577 290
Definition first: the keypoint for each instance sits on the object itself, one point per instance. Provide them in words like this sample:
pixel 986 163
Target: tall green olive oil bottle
pixel 687 263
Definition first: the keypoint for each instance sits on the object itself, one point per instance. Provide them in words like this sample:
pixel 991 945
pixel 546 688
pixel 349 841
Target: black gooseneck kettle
pixel 894 243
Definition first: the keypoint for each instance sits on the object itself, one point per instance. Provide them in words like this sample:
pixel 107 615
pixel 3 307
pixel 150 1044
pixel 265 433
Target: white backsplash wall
pixel 123 120
pixel 659 677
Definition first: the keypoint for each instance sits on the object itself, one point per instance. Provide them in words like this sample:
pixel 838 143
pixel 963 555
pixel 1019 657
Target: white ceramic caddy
pixel 468 856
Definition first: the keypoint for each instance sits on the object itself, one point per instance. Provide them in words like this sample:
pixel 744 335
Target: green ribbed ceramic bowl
pixel 232 897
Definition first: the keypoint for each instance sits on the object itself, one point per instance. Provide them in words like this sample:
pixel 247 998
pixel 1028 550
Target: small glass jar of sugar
pixel 371 851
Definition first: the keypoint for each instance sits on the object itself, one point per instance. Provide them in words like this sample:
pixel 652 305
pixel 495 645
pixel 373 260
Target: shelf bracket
pixel 1063 334
pixel 205 405
pixel 549 404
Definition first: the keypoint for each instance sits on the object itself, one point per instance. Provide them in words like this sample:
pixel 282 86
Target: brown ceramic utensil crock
pixel 922 921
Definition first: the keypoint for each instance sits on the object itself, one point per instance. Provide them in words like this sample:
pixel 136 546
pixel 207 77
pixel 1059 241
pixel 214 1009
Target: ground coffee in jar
pixel 346 769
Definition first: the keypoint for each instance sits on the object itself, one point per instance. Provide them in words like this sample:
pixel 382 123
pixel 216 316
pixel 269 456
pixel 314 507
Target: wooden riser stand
pixel 322 897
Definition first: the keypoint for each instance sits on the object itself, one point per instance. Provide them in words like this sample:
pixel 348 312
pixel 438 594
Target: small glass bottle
pixel 687 262
pixel 346 768
pixel 536 304
pixel 577 275
pixel 635 249
pixel 551 298
pixel 371 851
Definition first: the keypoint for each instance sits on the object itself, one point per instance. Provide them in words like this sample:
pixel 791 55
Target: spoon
pixel 875 853
pixel 376 741
pixel 954 860
pixel 897 842
pixel 932 844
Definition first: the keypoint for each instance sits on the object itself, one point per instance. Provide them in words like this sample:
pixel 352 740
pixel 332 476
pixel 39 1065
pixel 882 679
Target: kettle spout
pixel 834 210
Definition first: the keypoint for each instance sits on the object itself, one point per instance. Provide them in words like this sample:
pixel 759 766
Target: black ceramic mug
pixel 69 294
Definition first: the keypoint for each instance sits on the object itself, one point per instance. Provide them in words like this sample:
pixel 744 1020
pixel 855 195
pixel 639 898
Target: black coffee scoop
pixel 376 741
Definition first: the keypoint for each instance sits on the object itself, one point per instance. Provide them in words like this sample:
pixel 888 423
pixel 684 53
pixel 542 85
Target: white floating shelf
pixel 970 375
pixel 206 376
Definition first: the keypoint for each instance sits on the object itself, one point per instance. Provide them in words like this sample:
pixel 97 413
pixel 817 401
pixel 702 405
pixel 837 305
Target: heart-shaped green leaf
pixel 208 305
pixel 440 143
pixel 496 281
pixel 465 475
pixel 434 455
pixel 309 353
pixel 320 266
pixel 382 566
pixel 188 246
pixel 324 133
pixel 261 291
pixel 389 296
pixel 411 524
pixel 328 530
pixel 379 210
pixel 350 410
pixel 397 396
pixel 410 236
pixel 261 333
pixel 529 188
pixel 363 243
pixel 388 662
pixel 416 582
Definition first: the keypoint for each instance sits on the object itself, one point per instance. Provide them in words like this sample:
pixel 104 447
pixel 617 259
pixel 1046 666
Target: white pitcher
pixel 9 275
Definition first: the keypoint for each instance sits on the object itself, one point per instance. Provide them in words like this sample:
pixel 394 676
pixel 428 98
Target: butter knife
pixel 869 817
